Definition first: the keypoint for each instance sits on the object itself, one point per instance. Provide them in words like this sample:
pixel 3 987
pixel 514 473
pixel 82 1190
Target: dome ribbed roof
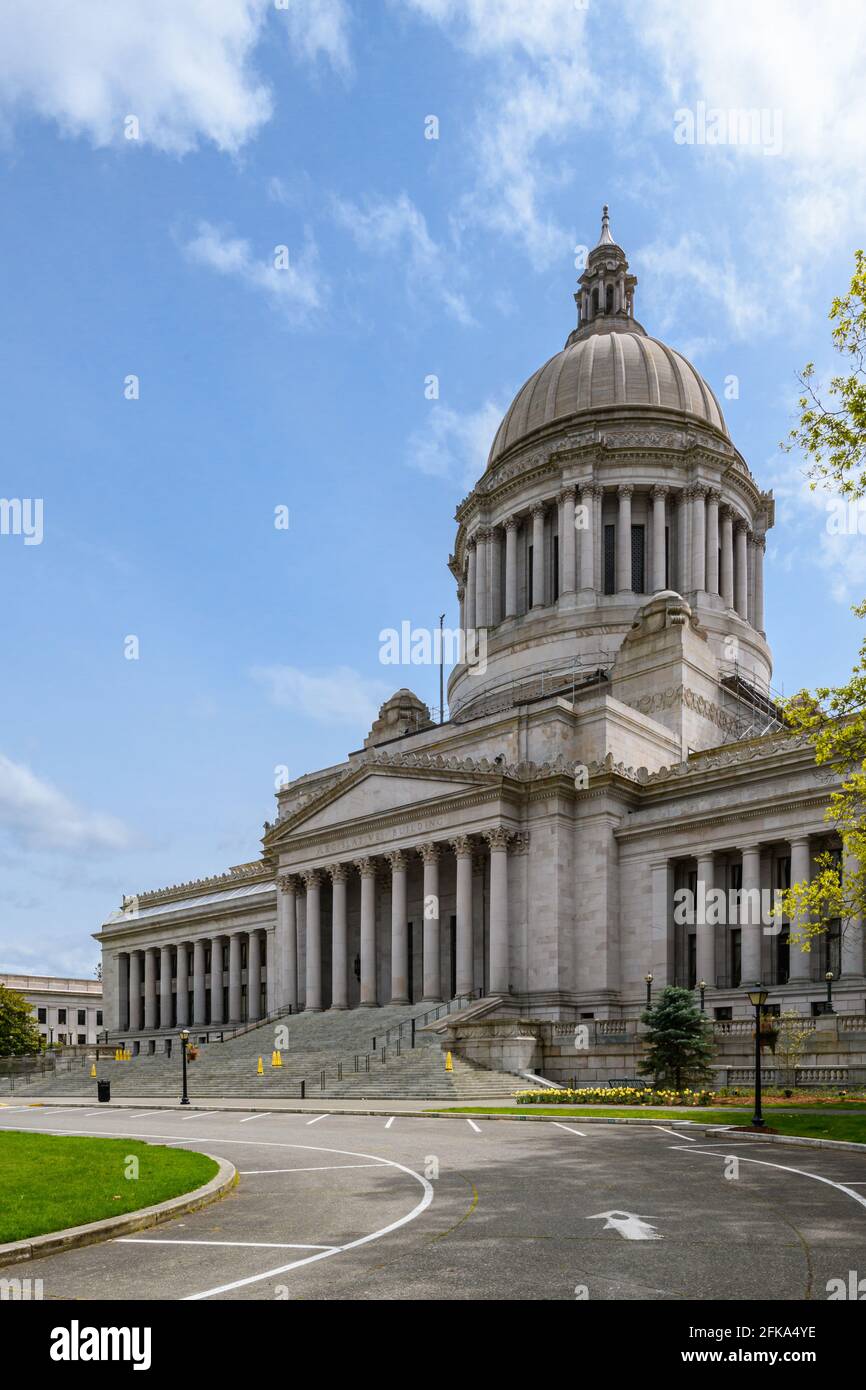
pixel 598 370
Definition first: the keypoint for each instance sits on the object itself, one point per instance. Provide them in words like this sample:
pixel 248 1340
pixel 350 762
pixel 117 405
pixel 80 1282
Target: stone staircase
pixel 340 1045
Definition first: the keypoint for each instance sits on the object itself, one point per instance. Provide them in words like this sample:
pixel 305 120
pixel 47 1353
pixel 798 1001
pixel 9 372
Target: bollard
pixel 303 1090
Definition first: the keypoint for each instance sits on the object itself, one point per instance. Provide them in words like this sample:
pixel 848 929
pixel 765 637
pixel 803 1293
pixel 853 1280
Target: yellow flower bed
pixel 615 1095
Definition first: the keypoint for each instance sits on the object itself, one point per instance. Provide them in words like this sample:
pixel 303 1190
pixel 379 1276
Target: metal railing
pixel 200 1032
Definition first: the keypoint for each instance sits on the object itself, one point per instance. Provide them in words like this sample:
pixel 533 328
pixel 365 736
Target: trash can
pixel 103 1090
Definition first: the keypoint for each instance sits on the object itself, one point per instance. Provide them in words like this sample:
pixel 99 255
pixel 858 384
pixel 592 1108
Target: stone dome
pixel 610 367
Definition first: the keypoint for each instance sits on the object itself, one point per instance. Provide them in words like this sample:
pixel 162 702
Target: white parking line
pixel 570 1130
pixel 197 1114
pixel 243 1244
pixel 317 1119
pixel 262 1115
pixel 678 1134
pixel 474 1126
pixel 317 1168
pixel 145 1114
pixel 389 1123
pixel 783 1168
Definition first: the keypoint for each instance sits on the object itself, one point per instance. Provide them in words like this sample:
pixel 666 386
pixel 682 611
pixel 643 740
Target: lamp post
pixel 184 1039
pixel 758 997
pixel 829 978
pixel 702 987
pixel 649 990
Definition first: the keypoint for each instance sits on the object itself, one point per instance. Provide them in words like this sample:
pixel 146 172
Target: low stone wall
pixel 600 1051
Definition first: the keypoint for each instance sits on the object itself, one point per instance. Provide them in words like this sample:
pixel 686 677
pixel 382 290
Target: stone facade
pixel 68 1011
pixel 612 739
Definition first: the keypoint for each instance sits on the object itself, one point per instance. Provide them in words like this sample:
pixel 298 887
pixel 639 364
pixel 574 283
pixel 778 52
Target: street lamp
pixel 702 987
pixel 184 1039
pixel 649 989
pixel 829 978
pixel 758 997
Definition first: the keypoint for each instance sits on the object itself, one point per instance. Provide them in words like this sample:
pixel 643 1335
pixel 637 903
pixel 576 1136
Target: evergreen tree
pixel 678 1041
pixel 18 1032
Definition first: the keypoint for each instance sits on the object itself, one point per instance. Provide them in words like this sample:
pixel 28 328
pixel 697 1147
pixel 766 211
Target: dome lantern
pixel 606 289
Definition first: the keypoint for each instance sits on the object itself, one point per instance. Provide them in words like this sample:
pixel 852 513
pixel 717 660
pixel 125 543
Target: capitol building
pixel 612 738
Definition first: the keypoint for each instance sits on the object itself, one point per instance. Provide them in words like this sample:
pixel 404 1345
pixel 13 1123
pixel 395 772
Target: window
pixel 555 568
pixel 82 1038
pixel 608 301
pixel 42 1015
pixel 529 568
pixel 61 1015
pixel 693 960
pixel 736 957
pixel 723 1014
pixel 99 1018
pixel 610 559
pixel 638 536
pixel 82 1017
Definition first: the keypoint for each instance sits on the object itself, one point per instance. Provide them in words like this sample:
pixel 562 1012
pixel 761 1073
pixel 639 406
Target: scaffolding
pixel 752 706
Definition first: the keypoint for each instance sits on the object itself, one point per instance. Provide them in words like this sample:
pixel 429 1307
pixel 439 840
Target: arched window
pixel 595 301
pixel 608 305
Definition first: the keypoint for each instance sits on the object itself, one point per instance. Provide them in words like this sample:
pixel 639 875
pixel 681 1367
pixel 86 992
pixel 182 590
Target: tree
pixel 791 1040
pixel 833 438
pixel 18 1032
pixel 678 1041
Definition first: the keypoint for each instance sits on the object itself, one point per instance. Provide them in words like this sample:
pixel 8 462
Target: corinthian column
pixel 799 961
pixel 182 995
pixel 462 847
pixel 712 576
pixel 432 980
pixel 741 569
pixel 216 980
pixel 699 537
pixel 566 542
pixel 471 607
pixel 726 577
pixel 199 984
pixel 497 840
pixel 751 925
pixel 150 988
pixel 165 1019
pixel 587 533
pixel 287 936
pixel 538 555
pixel 235 982
pixel 511 567
pixel 399 929
pixel 760 549
pixel 367 869
pixel 254 976
pixel 623 540
pixel 482 577
pixel 313 880
pixel 339 938
pixel 134 990
pixel 658 496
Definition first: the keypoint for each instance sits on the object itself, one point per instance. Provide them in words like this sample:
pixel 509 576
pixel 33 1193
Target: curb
pixel 55 1242
pixel 805 1140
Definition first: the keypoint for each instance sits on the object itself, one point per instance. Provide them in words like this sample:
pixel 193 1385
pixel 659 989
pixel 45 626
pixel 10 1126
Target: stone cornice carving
pixel 366 866
pixel 255 871
pixel 312 878
pixel 429 852
pixel 498 837
pixel 289 883
pixel 675 695
pixel 339 873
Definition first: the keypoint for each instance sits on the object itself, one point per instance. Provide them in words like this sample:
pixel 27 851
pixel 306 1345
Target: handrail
pixel 208 1031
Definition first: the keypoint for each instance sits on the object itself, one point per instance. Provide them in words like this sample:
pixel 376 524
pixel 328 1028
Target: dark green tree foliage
pixel 678 1040
pixel 18 1032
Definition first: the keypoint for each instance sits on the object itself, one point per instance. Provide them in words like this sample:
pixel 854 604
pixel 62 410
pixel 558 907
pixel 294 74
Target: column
pixel 461 602
pixel 662 958
pixel 235 989
pixel 658 496
pixel 287 934
pixel 587 533
pixel 471 614
pixel 760 549
pixel 726 575
pixel 367 869
pixel 853 953
pixel 339 938
pixel 712 564
pixel 121 996
pixel 699 537
pixel 216 980
pixel 182 995
pixel 683 568
pixel 150 987
pixel 432 974
pixel 705 931
pixel 494 570
pixel 741 572
pixel 482 577
pixel 399 929
pixel 538 555
pixel 462 848
pixel 254 976
pixel 623 540
pixel 511 567
pixel 751 926
pixel 799 962
pixel 199 985
pixel 134 991
pixel 566 542
pixel 313 880
pixel 500 975
pixel 165 1010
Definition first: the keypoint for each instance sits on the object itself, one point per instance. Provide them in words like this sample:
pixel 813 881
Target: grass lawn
pixel 49 1182
pixel 815 1124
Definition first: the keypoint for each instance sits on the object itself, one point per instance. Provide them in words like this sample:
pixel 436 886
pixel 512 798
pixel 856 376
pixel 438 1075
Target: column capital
pixel 429 852
pixel 463 846
pixel 461 592
pixel 566 493
pixel 740 523
pixel 760 542
pixel 538 509
pixel 398 859
pixel 497 837
pixel 289 883
pixel 312 878
pixel 366 866
pixel 726 511
pixel 511 523
pixel 338 872
pixel 698 490
pixel 485 533
pixel 714 496
pixel 659 491
pixel 624 489
pixel 470 541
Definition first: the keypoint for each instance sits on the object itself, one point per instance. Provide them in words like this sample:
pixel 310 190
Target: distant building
pixel 67 1011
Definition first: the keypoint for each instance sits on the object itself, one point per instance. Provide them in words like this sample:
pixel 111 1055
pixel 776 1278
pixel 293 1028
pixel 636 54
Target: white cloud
pixel 319 27
pixel 454 445
pixel 295 286
pixel 397 229
pixel 677 269
pixel 339 696
pixel 38 816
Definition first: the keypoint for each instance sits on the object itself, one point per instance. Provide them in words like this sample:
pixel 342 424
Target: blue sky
pixel 302 126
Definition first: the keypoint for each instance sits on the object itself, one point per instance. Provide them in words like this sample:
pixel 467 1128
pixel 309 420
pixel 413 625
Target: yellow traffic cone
pixel 273 1059
pixel 93 1070
pixel 279 1058
pixel 449 1065
pixel 260 1070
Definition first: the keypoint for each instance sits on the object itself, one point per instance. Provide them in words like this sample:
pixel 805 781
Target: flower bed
pixel 615 1095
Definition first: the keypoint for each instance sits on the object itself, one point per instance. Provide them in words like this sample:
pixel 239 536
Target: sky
pixel 237 240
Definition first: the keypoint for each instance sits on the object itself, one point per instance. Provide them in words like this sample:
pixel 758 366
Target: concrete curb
pixel 75 1236
pixel 806 1140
